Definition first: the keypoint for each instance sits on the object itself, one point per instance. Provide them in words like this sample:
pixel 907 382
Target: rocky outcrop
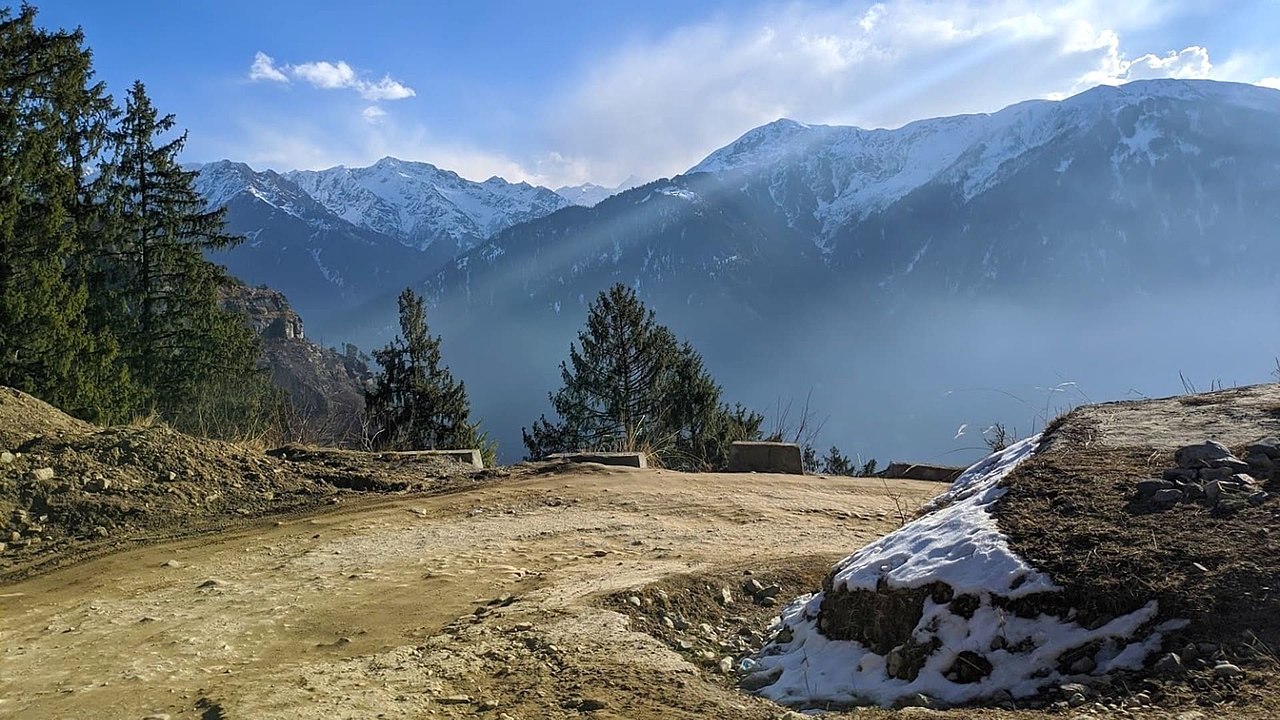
pixel 325 387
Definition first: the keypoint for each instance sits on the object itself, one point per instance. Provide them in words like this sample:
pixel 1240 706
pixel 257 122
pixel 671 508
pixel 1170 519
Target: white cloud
pixel 373 113
pixel 384 89
pixel 264 68
pixel 326 75
pixel 1271 82
pixel 656 107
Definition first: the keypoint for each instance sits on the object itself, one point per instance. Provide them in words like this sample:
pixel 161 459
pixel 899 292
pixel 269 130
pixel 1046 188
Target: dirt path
pixel 372 612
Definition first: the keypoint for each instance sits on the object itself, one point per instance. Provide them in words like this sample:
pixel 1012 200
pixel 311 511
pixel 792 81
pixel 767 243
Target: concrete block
pixel 921 471
pixel 470 456
pixel 622 459
pixel 765 457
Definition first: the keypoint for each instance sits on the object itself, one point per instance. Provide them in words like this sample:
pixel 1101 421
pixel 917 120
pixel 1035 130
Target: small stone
pixel 1176 474
pixel 157 716
pixel 1076 700
pixel 666 620
pixel 752 586
pixel 454 700
pixel 768 601
pixel 918 700
pixel 1084 665
pixel 726 665
pixel 15 537
pixel 3 547
pixel 6 457
pixel 770 591
pixel 173 564
pixel 634 601
pixel 1218 473
pixel 100 531
pixel 1227 670
pixel 1168 496
pixel 725 597
pixel 1169 665
pixel 43 474
pixel 1147 488
pixel 591 705
pixel 212 583
pixel 600 553
pixel 1232 464
pixel 486 705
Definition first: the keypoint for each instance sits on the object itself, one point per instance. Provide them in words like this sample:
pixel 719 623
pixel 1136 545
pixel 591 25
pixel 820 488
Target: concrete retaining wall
pixel 765 457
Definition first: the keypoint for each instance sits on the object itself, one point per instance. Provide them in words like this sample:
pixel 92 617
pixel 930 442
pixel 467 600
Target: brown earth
pixel 1071 511
pixel 533 592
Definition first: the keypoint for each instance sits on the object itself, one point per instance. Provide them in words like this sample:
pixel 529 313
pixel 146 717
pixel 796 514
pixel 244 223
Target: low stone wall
pixel 765 457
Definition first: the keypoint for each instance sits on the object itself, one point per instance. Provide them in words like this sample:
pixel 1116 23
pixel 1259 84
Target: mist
pixel 918 383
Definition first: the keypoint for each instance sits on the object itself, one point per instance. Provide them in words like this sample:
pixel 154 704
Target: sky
pixel 555 92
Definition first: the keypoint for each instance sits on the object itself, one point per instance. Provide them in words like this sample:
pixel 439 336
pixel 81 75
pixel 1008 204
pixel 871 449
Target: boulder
pixel 1194 456
pixel 1269 447
pixel 1147 488
pixel 766 457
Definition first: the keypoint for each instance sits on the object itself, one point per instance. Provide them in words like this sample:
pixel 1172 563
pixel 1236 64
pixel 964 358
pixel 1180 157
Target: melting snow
pixel 958 543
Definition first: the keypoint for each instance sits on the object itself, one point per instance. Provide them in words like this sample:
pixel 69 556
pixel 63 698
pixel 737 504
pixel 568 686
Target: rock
pixel 770 591
pixel 212 583
pixel 726 665
pixel 6 457
pixel 1176 474
pixel 43 474
pixel 1084 665
pixel 454 700
pixel 1227 670
pixel 3 547
pixel 725 597
pixel 768 601
pixel 752 586
pixel 1076 700
pixel 98 484
pixel 1220 473
pixel 1169 665
pixel 758 680
pixel 1168 496
pixel 15 537
pixel 1192 456
pixel 1244 480
pixel 486 705
pixel 1213 491
pixel 1269 447
pixel 173 564
pixel 100 531
pixel 634 601
pixel 1231 464
pixel 1147 488
pixel 157 716
pixel 918 700
pixel 588 704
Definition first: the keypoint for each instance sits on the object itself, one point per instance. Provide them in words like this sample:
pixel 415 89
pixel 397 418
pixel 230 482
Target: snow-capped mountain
pixel 590 194
pixel 796 238
pixel 422 205
pixel 323 263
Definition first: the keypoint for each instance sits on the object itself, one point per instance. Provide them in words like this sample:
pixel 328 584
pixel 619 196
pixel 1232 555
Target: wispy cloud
pixel 658 106
pixel 264 68
pixel 1271 82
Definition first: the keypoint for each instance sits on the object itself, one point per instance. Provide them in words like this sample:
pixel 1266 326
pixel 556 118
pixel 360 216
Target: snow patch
pixel 956 543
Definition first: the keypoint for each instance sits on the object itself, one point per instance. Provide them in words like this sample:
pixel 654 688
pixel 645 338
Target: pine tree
pixel 194 361
pixel 629 385
pixel 52 123
pixel 415 403
pixel 837 463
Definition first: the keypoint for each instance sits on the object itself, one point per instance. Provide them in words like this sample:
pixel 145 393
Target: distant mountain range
pixel 817 256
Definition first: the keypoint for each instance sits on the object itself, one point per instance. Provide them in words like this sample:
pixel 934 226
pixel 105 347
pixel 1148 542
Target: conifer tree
pixel 629 385
pixel 52 121
pixel 194 361
pixel 415 403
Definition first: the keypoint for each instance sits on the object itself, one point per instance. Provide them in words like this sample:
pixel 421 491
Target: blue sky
pixel 565 92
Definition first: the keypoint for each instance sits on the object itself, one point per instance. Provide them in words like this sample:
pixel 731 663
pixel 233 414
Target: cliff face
pixel 325 387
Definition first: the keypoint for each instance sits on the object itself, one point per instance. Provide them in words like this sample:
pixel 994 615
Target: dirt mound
pixel 1075 511
pixel 23 417
pixel 1085 565
pixel 68 488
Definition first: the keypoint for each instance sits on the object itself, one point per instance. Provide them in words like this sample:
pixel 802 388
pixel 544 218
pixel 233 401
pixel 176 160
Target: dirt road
pixel 487 603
